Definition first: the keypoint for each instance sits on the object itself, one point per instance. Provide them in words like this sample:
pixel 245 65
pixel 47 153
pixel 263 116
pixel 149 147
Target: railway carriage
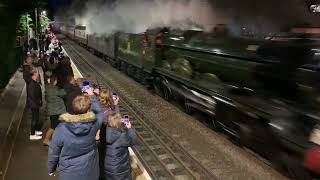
pixel 68 31
pixel 80 35
pixel 102 45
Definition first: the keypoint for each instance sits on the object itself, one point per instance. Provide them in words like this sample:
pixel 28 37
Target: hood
pixel 78 124
pixel 112 134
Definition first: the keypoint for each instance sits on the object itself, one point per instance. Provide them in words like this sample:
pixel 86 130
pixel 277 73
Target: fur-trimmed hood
pixel 80 125
pixel 80 118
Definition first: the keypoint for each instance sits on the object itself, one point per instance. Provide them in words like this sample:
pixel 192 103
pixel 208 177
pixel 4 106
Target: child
pixel 110 106
pixel 119 136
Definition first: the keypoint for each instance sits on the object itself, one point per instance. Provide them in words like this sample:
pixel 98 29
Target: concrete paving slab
pixel 12 102
pixel 29 159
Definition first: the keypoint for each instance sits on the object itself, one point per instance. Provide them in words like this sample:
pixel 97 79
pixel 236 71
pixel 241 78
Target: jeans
pixel 35 120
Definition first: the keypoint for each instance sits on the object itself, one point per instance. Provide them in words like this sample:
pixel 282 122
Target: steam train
pixel 263 93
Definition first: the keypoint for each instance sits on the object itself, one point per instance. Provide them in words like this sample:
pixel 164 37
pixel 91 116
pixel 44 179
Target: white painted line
pixel 16 118
pixel 72 63
pixel 145 174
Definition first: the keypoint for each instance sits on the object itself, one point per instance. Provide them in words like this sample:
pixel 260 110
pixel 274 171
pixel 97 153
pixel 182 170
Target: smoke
pixel 257 17
pixel 265 17
pixel 138 15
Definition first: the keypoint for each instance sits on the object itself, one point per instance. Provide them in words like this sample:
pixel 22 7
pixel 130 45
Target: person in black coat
pixel 33 44
pixel 34 102
pixel 119 136
pixel 63 71
pixel 73 90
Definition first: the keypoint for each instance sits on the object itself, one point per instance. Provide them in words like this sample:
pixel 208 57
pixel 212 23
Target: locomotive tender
pixel 262 92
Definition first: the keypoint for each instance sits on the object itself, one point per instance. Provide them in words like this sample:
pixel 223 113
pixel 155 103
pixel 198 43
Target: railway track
pixel 161 155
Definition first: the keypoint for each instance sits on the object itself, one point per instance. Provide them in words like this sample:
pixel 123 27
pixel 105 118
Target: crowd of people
pixel 88 139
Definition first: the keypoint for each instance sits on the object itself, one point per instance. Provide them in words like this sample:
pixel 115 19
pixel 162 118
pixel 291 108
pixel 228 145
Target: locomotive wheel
pixel 139 75
pixel 130 71
pixel 243 134
pixel 166 93
pixel 157 85
pixel 118 65
pixel 187 108
pixel 105 59
pixel 127 70
pixel 123 67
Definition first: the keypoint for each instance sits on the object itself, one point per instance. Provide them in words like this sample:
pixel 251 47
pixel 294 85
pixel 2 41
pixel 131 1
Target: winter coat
pixel 26 69
pixel 33 44
pixel 73 147
pixel 49 68
pixel 72 92
pixel 34 95
pixel 63 71
pixel 54 99
pixel 117 160
pixel 107 111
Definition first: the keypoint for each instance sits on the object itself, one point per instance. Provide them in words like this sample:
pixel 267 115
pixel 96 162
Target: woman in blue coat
pixel 73 147
pixel 119 136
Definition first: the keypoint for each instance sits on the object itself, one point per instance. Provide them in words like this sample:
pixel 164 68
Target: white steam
pixel 134 16
pixel 138 15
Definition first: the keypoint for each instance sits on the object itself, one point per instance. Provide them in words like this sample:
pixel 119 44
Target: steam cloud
pixel 138 15
pixel 268 16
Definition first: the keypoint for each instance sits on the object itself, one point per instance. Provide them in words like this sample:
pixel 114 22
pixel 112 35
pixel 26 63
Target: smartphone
pixel 126 119
pixel 85 86
pixel 114 96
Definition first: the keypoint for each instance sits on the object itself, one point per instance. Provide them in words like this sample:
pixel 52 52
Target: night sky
pixel 57 4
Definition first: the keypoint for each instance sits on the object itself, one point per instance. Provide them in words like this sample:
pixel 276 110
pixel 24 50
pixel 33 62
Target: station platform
pixel 20 158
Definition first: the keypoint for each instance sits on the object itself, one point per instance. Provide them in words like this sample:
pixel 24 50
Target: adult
pixel 47 42
pixel 33 44
pixel 50 67
pixel 63 71
pixel 55 105
pixel 34 102
pixel 73 147
pixel 119 137
pixel 26 69
pixel 42 60
pixel 73 90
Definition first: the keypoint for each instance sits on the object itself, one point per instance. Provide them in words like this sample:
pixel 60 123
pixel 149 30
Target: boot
pixel 48 137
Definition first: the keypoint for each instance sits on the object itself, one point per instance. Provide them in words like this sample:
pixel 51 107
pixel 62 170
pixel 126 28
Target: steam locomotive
pixel 263 93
